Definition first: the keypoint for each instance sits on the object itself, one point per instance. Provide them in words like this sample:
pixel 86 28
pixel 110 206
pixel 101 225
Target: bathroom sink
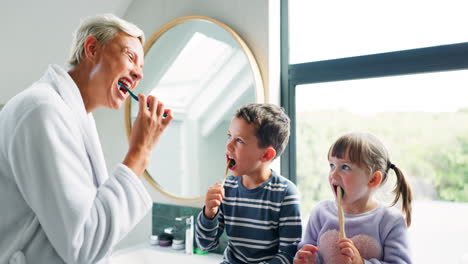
pixel 144 254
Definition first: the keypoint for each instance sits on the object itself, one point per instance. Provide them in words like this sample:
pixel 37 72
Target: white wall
pixel 256 21
pixel 35 34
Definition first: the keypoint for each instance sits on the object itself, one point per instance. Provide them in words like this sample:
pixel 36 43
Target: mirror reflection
pixel 203 71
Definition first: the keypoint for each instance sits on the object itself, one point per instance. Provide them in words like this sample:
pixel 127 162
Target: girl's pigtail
pixel 403 189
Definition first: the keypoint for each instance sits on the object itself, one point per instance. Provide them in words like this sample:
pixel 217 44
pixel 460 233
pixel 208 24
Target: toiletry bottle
pixel 189 236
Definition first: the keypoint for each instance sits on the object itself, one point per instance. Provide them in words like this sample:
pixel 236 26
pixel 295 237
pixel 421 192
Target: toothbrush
pixel 341 219
pixel 136 97
pixel 229 164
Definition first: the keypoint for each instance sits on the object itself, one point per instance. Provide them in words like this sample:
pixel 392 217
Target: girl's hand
pixel 213 199
pixel 306 255
pixel 349 252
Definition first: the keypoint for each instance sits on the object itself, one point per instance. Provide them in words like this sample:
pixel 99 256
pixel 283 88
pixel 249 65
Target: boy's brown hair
pixel 272 125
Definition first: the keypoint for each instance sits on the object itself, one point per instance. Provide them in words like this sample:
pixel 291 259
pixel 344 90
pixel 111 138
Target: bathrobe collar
pixel 67 89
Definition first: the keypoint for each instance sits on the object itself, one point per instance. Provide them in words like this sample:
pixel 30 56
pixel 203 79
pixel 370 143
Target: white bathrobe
pixel 57 202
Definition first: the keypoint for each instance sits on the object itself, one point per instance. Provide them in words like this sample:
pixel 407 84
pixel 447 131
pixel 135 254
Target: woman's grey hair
pixel 104 28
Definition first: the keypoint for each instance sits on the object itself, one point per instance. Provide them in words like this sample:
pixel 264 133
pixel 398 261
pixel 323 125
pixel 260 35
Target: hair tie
pixel 392 166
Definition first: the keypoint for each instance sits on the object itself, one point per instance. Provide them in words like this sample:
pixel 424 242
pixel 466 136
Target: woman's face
pixel 119 60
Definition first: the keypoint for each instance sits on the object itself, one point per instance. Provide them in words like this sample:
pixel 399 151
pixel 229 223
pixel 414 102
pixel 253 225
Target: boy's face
pixel 242 147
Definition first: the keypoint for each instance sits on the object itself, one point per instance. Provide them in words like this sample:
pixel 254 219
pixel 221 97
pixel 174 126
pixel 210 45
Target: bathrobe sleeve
pixel 54 175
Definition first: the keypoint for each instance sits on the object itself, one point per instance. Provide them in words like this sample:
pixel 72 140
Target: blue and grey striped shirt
pixel 263 224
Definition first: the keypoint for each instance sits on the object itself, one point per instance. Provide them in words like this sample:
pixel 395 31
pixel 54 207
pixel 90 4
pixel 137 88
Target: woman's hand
pixel 146 131
pixel 306 255
pixel 213 199
pixel 349 252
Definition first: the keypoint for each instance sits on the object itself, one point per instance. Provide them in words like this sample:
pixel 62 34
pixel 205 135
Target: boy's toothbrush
pixel 136 97
pixel 341 219
pixel 229 164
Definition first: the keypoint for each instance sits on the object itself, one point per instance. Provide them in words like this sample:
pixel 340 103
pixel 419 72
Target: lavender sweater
pixel 380 235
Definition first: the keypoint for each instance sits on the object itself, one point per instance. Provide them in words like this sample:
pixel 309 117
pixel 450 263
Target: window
pixel 411 92
pixel 424 124
pixel 324 30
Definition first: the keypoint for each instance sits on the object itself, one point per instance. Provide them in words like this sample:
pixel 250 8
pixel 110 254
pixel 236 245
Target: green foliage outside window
pixel 451 176
pixel 430 148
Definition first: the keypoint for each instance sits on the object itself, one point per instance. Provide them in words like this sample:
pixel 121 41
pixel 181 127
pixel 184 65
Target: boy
pixel 258 208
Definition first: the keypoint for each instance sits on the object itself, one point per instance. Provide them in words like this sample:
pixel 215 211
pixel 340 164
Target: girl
pixel 359 163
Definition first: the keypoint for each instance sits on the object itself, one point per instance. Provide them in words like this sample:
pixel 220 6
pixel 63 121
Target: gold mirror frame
pixel 260 91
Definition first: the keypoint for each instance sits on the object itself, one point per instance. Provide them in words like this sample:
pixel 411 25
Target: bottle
pixel 189 236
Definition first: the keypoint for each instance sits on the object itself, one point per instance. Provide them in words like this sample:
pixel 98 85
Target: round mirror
pixel 202 70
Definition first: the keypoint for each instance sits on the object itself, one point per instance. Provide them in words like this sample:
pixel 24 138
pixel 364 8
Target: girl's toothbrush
pixel 136 97
pixel 341 219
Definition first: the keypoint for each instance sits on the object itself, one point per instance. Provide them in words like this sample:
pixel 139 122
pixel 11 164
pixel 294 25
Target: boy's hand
pixel 349 252
pixel 306 255
pixel 214 198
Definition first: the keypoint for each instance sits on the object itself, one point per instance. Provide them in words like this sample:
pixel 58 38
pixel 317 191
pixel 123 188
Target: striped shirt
pixel 263 225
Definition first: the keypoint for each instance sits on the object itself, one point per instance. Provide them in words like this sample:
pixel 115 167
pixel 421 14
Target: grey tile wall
pixel 164 216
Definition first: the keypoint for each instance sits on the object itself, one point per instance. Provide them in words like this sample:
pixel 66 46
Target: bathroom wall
pixel 35 34
pixel 164 216
pixel 256 21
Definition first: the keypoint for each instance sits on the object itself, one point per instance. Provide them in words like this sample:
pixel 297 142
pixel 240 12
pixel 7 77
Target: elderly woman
pixel 58 203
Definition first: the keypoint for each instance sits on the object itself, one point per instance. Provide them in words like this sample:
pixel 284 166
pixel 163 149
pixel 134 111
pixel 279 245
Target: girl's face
pixel 353 179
